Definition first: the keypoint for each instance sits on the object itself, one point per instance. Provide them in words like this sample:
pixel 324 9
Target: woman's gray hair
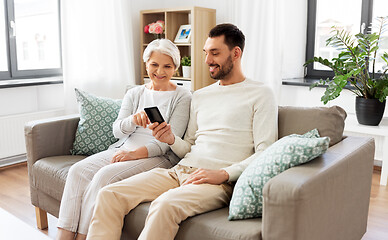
pixel 164 46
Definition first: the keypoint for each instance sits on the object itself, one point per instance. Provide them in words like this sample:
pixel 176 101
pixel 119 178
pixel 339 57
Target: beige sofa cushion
pixel 208 226
pixel 50 173
pixel 330 121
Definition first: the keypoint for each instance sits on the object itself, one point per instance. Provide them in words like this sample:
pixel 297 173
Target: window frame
pixel 310 72
pixel 13 73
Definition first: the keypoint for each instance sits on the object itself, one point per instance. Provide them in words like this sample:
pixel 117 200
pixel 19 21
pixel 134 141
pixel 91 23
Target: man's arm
pixel 162 132
pixel 179 119
pixel 201 176
pixel 179 146
pixel 265 131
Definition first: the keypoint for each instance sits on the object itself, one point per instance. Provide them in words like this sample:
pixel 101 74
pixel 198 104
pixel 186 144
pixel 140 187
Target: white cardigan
pixel 177 114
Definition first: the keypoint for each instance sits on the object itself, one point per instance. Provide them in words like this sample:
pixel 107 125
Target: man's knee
pixel 105 194
pixel 163 203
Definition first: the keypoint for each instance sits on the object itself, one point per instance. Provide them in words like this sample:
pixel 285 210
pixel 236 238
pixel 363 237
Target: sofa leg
pixel 41 218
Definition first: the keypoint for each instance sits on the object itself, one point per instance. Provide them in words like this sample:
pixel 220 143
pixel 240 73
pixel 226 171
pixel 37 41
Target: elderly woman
pixel 137 150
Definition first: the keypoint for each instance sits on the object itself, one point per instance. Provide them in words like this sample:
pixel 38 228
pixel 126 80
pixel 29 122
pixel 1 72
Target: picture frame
pixel 184 34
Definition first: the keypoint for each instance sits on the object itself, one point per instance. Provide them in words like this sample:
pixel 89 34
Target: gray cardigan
pixel 178 112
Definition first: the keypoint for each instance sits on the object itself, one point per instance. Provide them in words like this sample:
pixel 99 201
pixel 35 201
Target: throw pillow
pixel 97 114
pixel 292 150
pixel 330 121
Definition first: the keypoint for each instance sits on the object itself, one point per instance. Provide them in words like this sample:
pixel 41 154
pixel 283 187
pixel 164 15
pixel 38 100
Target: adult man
pixel 231 122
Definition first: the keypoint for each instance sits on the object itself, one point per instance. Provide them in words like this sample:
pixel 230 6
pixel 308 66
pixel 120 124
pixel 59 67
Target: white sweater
pixel 228 127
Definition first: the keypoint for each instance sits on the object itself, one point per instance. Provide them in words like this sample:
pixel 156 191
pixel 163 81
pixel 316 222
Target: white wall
pixel 20 100
pixel 20 105
pixel 302 96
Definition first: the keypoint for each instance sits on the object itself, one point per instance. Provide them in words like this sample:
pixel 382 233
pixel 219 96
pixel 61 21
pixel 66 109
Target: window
pixel 380 8
pixel 351 15
pixel 3 40
pixel 29 39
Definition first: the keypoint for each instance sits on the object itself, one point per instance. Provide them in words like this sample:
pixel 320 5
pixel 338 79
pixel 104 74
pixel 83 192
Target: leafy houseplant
pixel 355 64
pixel 186 66
pixel 186 61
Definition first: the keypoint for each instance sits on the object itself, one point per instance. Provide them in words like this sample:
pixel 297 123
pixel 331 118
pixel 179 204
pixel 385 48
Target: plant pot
pixel 369 111
pixel 186 70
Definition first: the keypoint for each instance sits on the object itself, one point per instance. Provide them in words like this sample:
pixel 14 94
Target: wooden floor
pixel 378 211
pixel 15 198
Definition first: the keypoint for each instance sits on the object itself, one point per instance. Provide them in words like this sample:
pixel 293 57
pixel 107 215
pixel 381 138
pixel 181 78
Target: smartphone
pixel 154 114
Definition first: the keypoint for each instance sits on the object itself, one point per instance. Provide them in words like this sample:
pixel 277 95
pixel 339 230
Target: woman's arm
pixel 178 122
pixel 124 126
pixel 124 155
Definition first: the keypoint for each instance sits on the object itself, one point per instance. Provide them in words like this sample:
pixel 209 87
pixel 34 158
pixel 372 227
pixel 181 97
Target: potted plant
pixel 355 66
pixel 186 66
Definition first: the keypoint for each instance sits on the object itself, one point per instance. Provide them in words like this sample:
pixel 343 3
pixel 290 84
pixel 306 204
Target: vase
pixel 186 71
pixel 158 36
pixel 369 111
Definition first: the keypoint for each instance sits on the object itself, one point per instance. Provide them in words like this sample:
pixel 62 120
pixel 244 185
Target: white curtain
pixel 262 24
pixel 97 48
pixel 275 32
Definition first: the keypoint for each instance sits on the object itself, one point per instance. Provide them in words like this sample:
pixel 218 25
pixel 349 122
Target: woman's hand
pixel 141 119
pixel 122 156
pixel 162 132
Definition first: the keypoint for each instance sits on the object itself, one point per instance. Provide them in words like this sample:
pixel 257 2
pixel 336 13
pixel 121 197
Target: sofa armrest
pixel 327 198
pixel 50 137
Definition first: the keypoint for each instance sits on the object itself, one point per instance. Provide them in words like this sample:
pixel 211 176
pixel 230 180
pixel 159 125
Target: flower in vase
pixel 156 28
pixel 146 29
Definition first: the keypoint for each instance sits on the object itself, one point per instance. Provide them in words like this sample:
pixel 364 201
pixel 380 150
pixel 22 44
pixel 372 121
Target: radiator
pixel 12 144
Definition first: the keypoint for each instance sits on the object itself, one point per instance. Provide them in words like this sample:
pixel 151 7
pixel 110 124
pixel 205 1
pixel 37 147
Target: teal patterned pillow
pixel 289 151
pixel 97 114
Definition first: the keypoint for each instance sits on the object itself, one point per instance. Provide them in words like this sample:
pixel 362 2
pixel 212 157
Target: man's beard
pixel 225 70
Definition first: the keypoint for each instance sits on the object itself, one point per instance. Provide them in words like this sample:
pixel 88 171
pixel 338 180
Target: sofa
pixel 326 198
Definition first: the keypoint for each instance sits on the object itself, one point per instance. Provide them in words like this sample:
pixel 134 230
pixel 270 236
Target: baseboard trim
pixel 5 162
pixel 377 168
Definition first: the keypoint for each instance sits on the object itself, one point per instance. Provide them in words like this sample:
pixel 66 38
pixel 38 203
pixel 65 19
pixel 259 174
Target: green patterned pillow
pixel 97 114
pixel 289 151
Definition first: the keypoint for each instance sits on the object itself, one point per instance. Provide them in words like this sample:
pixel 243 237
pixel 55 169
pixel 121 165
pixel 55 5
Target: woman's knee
pixel 77 169
pixel 104 177
pixel 87 167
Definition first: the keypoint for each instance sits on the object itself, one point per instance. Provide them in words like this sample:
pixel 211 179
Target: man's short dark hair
pixel 233 35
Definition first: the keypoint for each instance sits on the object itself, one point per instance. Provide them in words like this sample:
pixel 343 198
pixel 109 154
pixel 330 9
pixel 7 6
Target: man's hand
pixel 200 176
pixel 162 132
